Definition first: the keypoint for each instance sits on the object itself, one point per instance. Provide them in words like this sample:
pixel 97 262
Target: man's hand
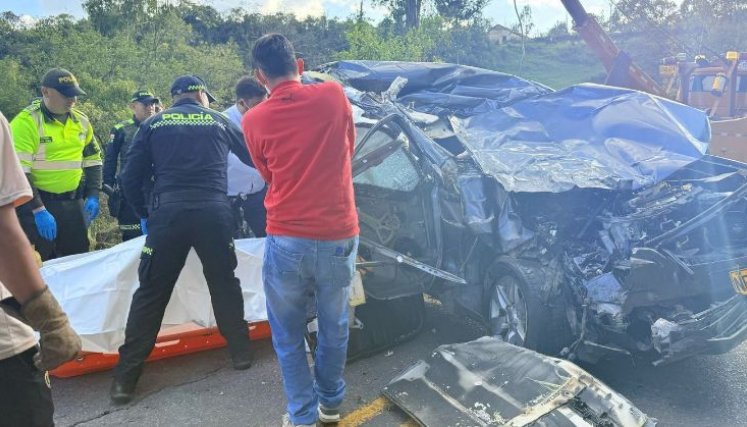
pixel 58 341
pixel 45 224
pixel 91 208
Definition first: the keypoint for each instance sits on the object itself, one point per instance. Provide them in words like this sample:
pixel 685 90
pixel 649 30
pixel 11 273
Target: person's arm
pixel 92 165
pixel 138 167
pixel 26 144
pixel 236 143
pixel 18 270
pixel 255 151
pixel 36 306
pixel 33 303
pixel 111 156
pixel 351 124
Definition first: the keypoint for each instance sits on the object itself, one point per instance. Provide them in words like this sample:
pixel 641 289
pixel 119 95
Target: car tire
pixel 537 323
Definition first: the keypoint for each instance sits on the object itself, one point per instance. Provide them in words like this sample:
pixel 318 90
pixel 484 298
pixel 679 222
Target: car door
pixel 398 254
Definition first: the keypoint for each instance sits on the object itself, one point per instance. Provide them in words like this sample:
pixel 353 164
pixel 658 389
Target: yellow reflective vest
pixel 54 153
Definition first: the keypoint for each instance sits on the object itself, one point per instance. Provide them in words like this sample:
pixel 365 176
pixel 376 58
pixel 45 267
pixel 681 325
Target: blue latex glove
pixel 91 208
pixel 144 226
pixel 45 224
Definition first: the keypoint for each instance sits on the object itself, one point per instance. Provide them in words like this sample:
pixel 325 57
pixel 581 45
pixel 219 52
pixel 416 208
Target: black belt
pixel 70 195
pixel 188 196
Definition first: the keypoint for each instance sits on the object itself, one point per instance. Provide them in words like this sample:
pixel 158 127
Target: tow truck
pixel 717 86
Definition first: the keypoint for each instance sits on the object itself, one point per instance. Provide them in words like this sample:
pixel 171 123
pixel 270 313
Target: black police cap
pixel 190 83
pixel 145 97
pixel 63 81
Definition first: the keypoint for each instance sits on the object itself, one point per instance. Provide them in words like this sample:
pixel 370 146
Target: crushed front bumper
pixel 713 331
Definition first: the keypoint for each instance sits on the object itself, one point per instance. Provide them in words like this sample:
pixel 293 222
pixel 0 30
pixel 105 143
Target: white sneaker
pixel 328 415
pixel 287 422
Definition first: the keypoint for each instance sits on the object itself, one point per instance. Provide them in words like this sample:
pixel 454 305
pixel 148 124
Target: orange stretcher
pixel 172 341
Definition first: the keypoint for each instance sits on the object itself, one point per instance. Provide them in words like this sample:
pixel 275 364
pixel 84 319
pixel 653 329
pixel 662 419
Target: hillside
pixel 557 65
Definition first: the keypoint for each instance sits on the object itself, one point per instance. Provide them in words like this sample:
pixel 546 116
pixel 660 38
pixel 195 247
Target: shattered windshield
pixel 394 172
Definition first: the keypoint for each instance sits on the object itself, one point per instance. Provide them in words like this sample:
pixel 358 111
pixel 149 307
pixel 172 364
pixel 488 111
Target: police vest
pixel 56 153
pixel 128 129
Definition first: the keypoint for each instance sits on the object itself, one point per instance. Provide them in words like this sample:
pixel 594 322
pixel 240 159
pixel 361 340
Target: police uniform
pixel 62 160
pixel 116 150
pixel 184 148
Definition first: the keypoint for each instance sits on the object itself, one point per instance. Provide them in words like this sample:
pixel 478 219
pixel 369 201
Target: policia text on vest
pixel 60 156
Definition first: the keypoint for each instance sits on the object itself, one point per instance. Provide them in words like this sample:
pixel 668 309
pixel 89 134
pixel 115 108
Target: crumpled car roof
pixel 438 88
pixel 532 139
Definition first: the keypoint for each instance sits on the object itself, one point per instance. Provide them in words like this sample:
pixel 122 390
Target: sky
pixel 545 12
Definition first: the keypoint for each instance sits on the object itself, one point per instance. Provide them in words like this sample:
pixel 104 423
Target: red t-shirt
pixel 302 140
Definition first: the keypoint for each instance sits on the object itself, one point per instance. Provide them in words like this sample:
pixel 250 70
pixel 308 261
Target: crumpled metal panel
pixel 587 136
pixel 713 331
pixel 531 139
pixel 438 88
pixel 488 382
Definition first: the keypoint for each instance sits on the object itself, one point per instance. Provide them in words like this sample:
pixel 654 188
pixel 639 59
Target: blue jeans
pixel 295 268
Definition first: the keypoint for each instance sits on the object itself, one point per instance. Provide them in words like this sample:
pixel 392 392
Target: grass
pixel 558 65
pixel 104 232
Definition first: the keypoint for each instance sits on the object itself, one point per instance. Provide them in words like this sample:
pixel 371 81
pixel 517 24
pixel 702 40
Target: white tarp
pixel 95 290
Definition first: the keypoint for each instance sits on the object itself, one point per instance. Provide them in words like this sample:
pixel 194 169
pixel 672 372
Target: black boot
pixel 242 364
pixel 122 390
pixel 239 348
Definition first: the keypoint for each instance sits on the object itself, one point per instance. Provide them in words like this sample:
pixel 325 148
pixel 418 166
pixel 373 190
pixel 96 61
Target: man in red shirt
pixel 301 140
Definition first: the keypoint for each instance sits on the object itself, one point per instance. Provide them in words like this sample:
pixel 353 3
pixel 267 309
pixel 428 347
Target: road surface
pixel 203 390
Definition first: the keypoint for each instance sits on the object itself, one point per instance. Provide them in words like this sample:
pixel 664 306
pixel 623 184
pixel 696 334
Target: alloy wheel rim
pixel 508 311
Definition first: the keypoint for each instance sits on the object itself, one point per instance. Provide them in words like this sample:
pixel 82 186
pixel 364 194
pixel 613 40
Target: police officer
pixel 184 148
pixel 143 105
pixel 62 160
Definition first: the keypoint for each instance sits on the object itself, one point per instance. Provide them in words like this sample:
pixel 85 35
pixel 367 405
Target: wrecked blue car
pixel 580 223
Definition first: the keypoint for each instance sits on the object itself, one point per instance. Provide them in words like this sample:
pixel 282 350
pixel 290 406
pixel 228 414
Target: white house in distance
pixel 501 35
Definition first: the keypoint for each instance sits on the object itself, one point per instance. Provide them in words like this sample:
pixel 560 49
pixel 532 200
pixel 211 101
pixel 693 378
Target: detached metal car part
pixel 488 382
pixel 583 223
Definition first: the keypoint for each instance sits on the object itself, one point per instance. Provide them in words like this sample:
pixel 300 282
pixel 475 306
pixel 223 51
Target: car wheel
pixel 508 311
pixel 516 311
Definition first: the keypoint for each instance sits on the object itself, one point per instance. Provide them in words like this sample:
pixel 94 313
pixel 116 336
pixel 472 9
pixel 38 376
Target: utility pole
pixel 412 13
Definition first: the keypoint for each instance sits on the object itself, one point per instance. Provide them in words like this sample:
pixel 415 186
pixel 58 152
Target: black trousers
pixel 129 222
pixel 173 229
pixel 72 233
pixel 254 212
pixel 25 395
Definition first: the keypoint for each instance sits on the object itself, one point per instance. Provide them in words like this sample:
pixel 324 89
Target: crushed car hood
pixel 586 136
pixel 488 382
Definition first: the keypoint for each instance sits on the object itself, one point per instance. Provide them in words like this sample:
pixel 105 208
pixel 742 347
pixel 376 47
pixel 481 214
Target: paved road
pixel 202 389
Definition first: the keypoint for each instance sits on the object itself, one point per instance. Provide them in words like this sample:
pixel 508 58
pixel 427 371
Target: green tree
pixel 714 26
pixel 408 13
pixel 643 14
pixel 15 92
pixel 560 29
pixel 417 44
pixel 462 10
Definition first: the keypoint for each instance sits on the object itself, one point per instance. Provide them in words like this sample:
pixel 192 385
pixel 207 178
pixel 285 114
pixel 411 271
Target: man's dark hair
pixel 248 88
pixel 274 55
